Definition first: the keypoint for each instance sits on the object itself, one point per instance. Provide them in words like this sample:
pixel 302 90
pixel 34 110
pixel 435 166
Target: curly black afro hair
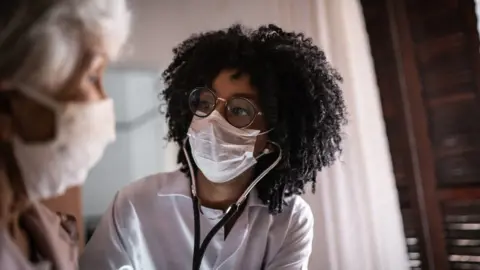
pixel 299 96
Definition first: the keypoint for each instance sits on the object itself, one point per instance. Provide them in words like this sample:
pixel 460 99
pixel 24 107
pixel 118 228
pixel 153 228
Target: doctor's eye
pixel 205 105
pixel 239 111
pixel 202 101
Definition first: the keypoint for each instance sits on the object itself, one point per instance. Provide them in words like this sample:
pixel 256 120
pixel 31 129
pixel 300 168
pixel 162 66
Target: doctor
pixel 55 118
pixel 256 113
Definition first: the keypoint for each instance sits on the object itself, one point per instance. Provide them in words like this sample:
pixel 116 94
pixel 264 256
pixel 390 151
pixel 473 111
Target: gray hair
pixel 43 41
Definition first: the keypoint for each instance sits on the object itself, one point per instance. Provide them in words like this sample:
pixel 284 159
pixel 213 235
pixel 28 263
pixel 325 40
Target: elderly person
pixel 55 118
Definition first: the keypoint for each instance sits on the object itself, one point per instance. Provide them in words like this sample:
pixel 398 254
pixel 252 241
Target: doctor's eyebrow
pixel 241 93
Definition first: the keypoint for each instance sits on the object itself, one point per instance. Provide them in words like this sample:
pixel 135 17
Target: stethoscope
pixel 199 249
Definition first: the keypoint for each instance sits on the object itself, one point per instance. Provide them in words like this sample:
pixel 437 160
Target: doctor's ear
pixel 270 148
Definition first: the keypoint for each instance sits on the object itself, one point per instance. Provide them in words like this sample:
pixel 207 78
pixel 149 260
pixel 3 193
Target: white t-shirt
pixel 150 225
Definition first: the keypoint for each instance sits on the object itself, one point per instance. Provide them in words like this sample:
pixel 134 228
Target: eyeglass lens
pixel 240 112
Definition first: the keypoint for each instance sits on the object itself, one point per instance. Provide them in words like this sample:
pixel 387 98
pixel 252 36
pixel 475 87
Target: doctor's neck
pixel 221 196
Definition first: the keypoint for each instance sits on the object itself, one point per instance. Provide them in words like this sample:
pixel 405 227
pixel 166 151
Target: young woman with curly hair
pixel 257 113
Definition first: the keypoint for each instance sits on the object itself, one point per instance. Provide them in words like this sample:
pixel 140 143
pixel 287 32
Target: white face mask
pixel 83 130
pixel 220 150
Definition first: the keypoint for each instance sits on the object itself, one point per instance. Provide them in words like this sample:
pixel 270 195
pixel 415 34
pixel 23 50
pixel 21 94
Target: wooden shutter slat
pixel 462 229
pixel 465 266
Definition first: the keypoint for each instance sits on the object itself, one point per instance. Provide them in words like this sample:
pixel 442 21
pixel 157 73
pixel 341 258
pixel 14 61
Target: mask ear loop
pixel 265 132
pixel 40 98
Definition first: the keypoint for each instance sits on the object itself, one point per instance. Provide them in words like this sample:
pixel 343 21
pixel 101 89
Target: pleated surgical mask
pixel 220 150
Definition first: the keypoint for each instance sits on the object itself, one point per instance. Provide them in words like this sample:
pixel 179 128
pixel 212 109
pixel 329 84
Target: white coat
pixel 150 225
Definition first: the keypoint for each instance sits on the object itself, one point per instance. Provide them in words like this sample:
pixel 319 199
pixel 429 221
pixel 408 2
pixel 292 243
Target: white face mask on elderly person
pixel 83 130
pixel 55 119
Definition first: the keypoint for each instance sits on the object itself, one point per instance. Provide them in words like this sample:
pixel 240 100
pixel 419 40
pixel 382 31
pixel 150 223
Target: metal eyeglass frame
pixel 225 101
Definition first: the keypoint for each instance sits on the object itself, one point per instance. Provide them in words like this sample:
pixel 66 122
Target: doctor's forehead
pixel 230 83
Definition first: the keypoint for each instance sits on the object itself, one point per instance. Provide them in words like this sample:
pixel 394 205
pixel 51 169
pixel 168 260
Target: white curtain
pixel 357 216
pixel 358 220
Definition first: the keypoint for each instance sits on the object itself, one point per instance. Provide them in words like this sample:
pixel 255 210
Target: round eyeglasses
pixel 239 112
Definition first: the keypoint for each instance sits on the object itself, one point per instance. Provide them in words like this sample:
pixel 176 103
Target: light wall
pixel 140 149
pixel 161 25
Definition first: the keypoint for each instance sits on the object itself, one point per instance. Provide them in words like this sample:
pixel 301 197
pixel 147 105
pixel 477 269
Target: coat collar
pixel 177 184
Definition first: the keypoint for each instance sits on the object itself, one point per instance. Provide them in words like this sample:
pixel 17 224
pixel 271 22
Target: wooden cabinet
pixel 427 62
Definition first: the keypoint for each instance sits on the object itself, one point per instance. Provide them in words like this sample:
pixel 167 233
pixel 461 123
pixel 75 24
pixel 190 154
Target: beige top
pixel 51 241
pixel 32 237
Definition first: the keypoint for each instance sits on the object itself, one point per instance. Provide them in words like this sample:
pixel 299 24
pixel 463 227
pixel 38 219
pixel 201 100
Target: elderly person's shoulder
pixel 55 235
pixel 23 222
